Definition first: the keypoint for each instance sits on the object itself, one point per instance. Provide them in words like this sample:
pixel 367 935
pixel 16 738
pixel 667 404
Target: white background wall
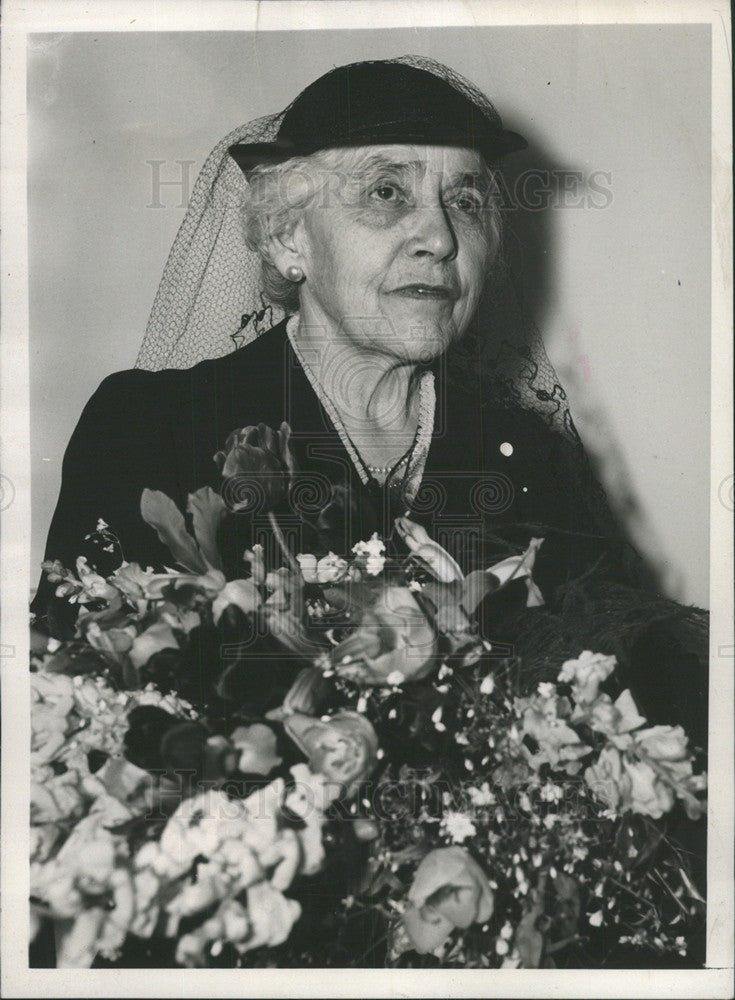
pixel 621 293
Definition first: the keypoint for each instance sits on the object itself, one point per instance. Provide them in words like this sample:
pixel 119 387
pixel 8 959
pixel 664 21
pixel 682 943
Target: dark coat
pixel 161 430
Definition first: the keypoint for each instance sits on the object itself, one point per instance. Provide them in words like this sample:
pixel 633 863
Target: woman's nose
pixel 430 233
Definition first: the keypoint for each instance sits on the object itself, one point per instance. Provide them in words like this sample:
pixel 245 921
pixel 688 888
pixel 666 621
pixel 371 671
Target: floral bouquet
pixel 323 761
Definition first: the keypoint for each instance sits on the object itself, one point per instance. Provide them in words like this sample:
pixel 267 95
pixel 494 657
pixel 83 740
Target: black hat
pixel 384 102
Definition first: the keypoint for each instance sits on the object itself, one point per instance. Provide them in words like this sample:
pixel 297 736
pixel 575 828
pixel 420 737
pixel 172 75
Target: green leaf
pixel 568 905
pixel 207 510
pixel 286 628
pixel 474 587
pixel 528 940
pixel 164 516
pixel 308 693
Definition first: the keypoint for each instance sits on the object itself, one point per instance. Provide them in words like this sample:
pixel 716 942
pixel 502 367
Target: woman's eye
pixel 467 202
pixel 390 194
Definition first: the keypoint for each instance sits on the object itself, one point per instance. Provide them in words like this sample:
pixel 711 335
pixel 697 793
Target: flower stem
pixel 292 564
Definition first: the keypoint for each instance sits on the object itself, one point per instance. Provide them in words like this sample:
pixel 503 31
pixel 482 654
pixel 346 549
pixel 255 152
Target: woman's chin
pixel 419 346
pixel 424 332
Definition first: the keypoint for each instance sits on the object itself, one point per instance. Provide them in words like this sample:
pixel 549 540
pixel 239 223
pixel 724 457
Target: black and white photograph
pixel 366 483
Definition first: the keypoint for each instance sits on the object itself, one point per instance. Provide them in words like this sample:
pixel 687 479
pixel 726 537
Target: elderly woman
pixel 367 215
pixel 374 217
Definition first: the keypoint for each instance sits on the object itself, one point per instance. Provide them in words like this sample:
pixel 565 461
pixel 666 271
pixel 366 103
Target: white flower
pixel 604 777
pixel 311 792
pixel 646 792
pixel 171 703
pixel 663 743
pixel 55 690
pixel 52 703
pixel 132 581
pixel 513 961
pixel 271 914
pixel 436 718
pixel 191 948
pixel 596 918
pixel 147 885
pixel 94 586
pixel 551 792
pixel 256 745
pixel 57 799
pixel 458 826
pixel 614 720
pixel 586 673
pixel 87 866
pixel 428 552
pixel 665 749
pixel 374 551
pixel 488 684
pixel 329 569
pixel 519 568
pixel 374 565
pixel 229 923
pixel 155 638
pixel 244 594
pixel 395 678
pixel 373 547
pixel 114 642
pixel 256 560
pixel 558 743
pixel 307 800
pixel 43 839
pixel 199 826
pixel 482 796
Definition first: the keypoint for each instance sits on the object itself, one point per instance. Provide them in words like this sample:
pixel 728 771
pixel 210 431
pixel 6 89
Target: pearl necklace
pixel 385 469
pixel 415 456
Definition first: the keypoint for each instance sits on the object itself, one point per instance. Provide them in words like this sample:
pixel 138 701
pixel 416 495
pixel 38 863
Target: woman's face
pixel 396 247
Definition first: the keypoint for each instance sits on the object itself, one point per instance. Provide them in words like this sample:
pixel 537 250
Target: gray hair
pixel 278 194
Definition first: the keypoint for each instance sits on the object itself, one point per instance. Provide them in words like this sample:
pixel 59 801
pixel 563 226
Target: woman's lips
pixel 441 293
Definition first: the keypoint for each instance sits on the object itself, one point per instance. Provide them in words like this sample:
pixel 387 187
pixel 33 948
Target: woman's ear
pixel 286 249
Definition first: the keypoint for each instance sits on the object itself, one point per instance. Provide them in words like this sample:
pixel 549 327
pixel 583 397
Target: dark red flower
pixel 257 466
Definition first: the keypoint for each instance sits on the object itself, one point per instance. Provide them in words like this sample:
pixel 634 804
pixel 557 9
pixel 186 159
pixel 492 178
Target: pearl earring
pixel 294 273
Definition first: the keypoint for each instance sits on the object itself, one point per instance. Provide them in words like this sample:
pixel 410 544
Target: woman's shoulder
pixel 141 395
pixel 265 352
pixel 255 361
pixel 132 382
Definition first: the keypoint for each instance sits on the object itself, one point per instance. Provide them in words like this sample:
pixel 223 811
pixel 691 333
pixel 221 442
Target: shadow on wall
pixel 611 468
pixel 534 187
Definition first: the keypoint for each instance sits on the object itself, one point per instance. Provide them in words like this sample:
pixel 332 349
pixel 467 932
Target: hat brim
pixel 249 155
